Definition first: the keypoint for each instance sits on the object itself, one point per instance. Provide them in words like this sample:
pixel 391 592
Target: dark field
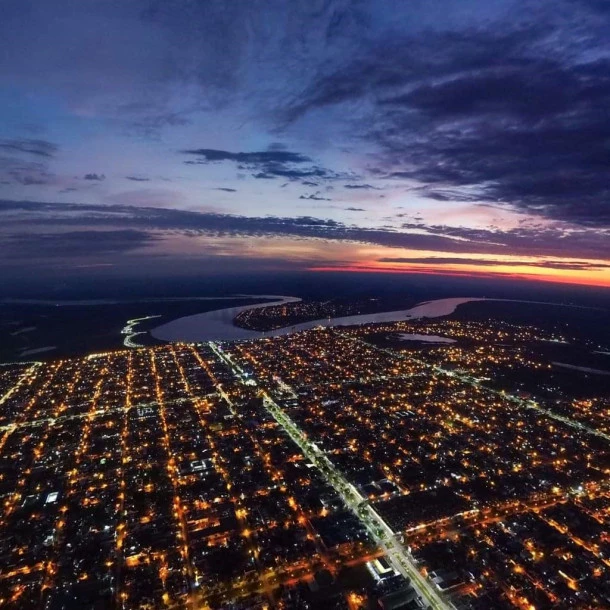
pixel 75 330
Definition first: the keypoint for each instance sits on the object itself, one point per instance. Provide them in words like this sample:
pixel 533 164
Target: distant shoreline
pixel 92 302
pixel 218 325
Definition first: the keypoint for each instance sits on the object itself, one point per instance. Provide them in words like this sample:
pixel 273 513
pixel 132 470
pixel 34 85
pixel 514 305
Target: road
pixel 34 423
pixel 520 402
pixel 25 375
pixel 383 535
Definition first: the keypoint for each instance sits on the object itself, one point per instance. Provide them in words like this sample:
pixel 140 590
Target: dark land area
pixel 79 329
pixel 290 314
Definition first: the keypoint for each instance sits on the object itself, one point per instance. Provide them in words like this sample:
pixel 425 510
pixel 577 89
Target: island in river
pixel 272 317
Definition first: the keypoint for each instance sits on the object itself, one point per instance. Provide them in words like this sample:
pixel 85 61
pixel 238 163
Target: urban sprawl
pixel 333 468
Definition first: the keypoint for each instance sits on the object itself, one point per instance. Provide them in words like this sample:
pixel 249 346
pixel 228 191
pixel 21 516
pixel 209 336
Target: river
pixel 218 325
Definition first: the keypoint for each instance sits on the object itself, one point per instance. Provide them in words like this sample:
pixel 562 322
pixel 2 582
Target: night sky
pixel 450 137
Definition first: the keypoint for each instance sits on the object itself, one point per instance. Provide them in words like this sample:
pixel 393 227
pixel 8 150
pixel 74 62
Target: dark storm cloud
pixel 72 243
pixel 535 137
pixel 506 89
pixel 272 171
pixel 38 148
pixel 446 194
pixel 518 111
pixel 521 241
pixel 137 179
pixel 26 173
pixel 266 165
pixel 226 190
pixel 389 65
pixel 359 186
pixel 98 177
pixel 297 174
pixel 355 209
pixel 315 197
pixel 505 96
pixel 256 158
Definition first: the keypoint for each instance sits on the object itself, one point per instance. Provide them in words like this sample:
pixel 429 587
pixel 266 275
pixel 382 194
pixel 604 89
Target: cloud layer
pixel 461 130
pixel 149 224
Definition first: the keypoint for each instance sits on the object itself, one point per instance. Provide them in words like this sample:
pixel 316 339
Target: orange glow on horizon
pixel 600 278
pixel 343 256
